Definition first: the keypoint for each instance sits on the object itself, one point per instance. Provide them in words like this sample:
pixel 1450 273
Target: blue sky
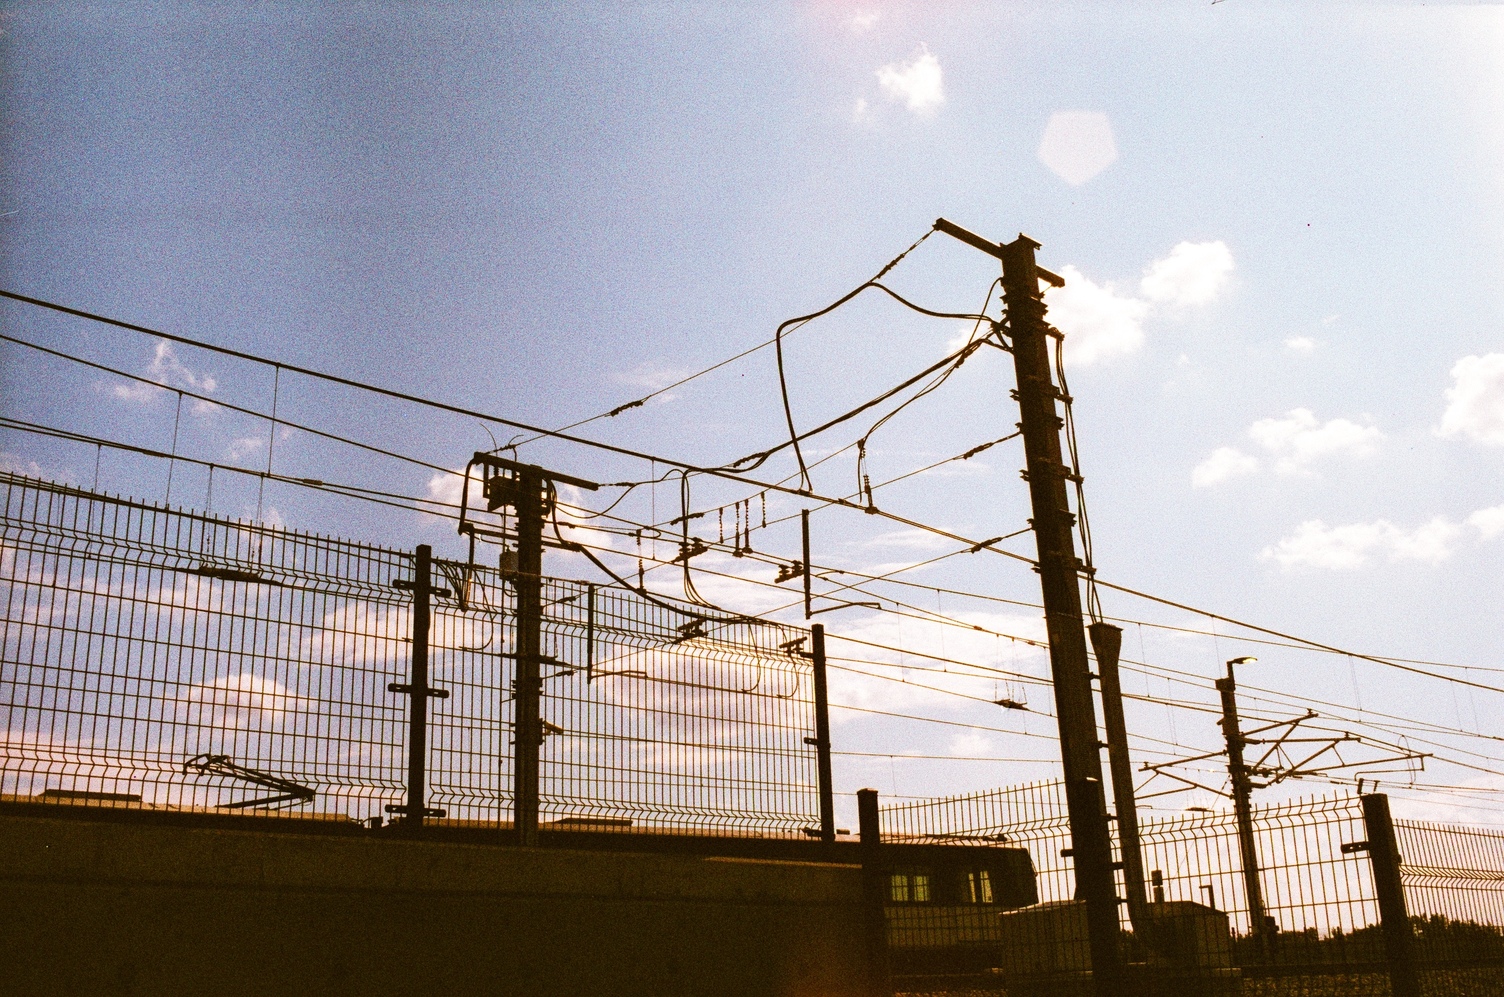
pixel 1283 229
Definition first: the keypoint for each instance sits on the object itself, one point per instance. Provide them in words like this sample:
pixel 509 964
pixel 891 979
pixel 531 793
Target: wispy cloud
pixel 245 445
pixel 1356 545
pixel 918 82
pixel 1298 438
pixel 167 372
pixel 651 377
pixel 1294 442
pixel 1304 345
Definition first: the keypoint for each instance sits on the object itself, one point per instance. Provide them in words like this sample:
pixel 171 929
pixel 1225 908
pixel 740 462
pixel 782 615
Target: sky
pixel 1281 228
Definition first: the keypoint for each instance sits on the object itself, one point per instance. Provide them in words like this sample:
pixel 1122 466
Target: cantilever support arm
pixel 224 765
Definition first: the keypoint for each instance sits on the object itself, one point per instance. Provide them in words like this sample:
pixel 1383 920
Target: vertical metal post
pixel 822 735
pixel 417 727
pixel 875 892
pixel 1107 642
pixel 528 726
pixel 417 687
pixel 1242 791
pixel 589 632
pixel 1053 524
pixel 804 532
pixel 1384 853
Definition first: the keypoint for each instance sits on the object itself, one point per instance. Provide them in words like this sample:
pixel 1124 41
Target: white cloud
pixel 1300 438
pixel 1475 401
pixel 1096 321
pixel 1224 464
pixel 449 487
pixel 1347 548
pixel 1192 274
pixel 917 82
pixel 864 21
pixel 1489 522
pixel 1303 345
pixel 1077 145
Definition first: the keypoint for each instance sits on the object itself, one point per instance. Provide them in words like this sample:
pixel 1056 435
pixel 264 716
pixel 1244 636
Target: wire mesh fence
pixel 161 658
pixel 1454 888
pixel 1321 932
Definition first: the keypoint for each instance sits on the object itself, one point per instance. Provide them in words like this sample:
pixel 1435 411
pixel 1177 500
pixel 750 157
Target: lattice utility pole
pixel 1059 577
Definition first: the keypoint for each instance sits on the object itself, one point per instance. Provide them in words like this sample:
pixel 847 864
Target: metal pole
pixel 1058 571
pixel 528 726
pixel 822 735
pixel 1107 641
pixel 804 532
pixel 1384 853
pixel 1242 790
pixel 417 737
pixel 875 891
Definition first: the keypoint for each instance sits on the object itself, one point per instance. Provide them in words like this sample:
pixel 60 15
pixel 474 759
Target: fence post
pixel 420 692
pixel 822 736
pixel 1384 854
pixel 874 893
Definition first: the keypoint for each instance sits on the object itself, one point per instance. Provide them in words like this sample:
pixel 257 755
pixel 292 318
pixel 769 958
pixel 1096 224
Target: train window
pixel 980 885
pixel 909 887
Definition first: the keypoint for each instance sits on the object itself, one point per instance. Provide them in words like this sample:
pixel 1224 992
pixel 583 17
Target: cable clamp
pixel 408 689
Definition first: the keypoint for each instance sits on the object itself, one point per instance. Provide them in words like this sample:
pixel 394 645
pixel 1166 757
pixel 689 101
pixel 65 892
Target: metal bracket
pixel 430 691
pixel 402 808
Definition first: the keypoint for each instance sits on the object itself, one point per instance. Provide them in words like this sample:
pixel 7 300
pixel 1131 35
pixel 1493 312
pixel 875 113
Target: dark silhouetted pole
pixel 1107 641
pixel 1384 853
pixel 822 735
pixel 804 534
pixel 1242 791
pixel 875 891
pixel 528 725
pixel 419 691
pixel 1059 579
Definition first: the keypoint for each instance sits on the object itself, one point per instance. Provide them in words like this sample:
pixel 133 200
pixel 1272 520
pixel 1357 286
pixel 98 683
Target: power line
pixel 499 420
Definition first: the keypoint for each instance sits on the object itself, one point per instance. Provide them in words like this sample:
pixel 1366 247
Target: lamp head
pixel 1243 660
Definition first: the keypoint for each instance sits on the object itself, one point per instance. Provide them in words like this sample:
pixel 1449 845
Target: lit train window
pixel 980 884
pixel 909 887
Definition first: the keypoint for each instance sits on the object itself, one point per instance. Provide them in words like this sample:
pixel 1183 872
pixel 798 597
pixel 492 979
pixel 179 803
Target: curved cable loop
pixel 783 387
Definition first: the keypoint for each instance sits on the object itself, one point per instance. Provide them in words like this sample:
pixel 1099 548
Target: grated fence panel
pixel 162 658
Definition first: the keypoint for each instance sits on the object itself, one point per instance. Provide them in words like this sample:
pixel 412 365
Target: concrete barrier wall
pixel 108 907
